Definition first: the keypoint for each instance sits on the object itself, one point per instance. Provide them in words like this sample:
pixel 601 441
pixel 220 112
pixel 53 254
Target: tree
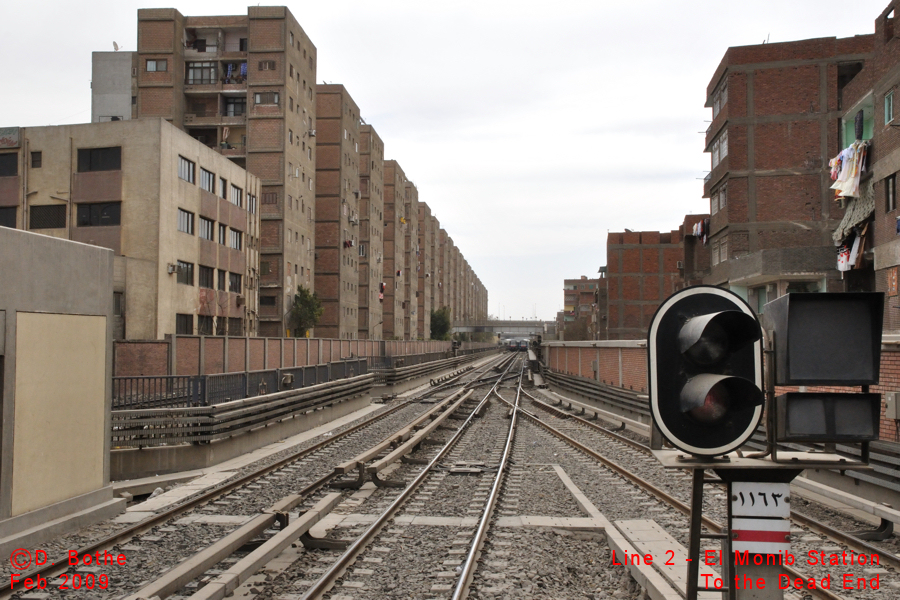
pixel 440 323
pixel 305 313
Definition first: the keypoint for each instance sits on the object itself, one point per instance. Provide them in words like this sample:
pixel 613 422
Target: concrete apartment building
pixel 579 301
pixel 424 291
pixel 181 219
pixel 371 234
pixel 338 212
pixel 243 85
pixel 776 110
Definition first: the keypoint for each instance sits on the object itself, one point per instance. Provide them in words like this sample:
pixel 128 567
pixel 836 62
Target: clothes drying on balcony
pixel 846 169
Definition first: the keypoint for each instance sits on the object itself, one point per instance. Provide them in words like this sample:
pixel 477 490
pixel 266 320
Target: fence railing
pixel 179 391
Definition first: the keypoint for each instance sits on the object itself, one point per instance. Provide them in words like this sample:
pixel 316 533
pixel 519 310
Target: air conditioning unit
pixel 312 133
pixel 356 193
pixel 171 269
pixel 240 300
pixel 679 264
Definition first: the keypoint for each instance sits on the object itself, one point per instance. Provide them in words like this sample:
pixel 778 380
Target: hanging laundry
pixel 843 258
pixel 846 169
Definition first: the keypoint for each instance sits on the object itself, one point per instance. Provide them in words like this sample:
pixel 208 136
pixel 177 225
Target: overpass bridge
pixel 512 328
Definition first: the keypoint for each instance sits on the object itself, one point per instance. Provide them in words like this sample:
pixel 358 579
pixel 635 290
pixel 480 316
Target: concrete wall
pixel 55 332
pixel 111 85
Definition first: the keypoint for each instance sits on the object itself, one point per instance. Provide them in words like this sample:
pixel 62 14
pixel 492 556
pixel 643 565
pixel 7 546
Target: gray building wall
pixel 111 85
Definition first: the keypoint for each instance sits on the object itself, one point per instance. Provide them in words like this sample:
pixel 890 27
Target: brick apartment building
pixel 409 283
pixel 338 212
pixel 182 220
pixel 371 233
pixel 243 85
pixel 776 110
pixel 425 266
pixel 394 189
pixel 579 302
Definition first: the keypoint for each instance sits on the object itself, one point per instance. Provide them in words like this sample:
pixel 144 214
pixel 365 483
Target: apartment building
pixel 182 220
pixel 242 85
pixel 409 225
pixel 425 266
pixel 776 113
pixel 394 240
pixel 338 212
pixel 371 234
pixel 579 301
pixel 643 269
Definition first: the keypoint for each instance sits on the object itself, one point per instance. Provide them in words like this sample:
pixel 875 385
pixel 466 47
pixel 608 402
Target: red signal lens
pixel 715 406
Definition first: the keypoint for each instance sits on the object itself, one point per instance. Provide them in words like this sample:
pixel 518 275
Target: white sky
pixel 530 128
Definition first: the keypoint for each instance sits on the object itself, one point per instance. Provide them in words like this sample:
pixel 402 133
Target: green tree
pixel 440 324
pixel 305 313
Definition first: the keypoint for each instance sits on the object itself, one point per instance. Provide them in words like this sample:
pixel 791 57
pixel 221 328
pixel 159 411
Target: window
pixel 713 203
pixel 251 203
pixel 118 303
pixel 222 233
pixel 8 216
pixel 265 267
pixel 265 98
pixel 99 159
pixel 235 326
pixel 267 65
pixel 185 271
pixel 221 281
pixel 715 253
pixel 207 229
pixel 198 73
pixel 94 215
pixel 185 221
pixel 184 324
pixel 267 300
pixel 235 107
pixel 48 216
pixel 36 160
pixel 206 277
pixel 234 239
pixel 270 198
pixel 186 169
pixel 888 107
pixel 720 149
pixel 237 196
pixel 890 193
pixel 9 165
pixel 720 98
pixel 156 65
pixel 207 181
pixel 223 187
pixel 723 249
pixel 234 283
pixel 204 325
pixel 722 197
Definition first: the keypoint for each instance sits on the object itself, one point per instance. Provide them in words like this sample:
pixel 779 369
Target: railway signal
pixel 705 370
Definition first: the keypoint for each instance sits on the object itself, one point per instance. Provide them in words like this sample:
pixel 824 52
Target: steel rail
pixel 860 545
pixel 712 525
pixel 60 564
pixel 327 580
pixel 468 570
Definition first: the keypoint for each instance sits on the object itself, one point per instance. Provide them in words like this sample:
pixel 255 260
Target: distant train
pixel 517 345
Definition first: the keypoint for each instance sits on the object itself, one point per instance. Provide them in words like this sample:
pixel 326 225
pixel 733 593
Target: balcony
pixel 199 118
pixel 226 149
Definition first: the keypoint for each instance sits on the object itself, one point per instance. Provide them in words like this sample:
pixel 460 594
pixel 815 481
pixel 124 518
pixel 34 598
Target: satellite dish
pixel 115 47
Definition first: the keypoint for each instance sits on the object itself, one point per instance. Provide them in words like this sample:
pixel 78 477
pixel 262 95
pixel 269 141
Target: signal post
pixel 708 397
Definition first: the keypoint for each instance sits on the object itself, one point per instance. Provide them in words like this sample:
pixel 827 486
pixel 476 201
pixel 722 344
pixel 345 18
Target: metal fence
pixel 178 391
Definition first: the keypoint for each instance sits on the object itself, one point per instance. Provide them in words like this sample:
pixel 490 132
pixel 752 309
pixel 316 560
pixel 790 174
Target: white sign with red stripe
pixel 760 536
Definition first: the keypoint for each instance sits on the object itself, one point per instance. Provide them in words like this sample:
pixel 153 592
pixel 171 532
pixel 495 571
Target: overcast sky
pixel 530 128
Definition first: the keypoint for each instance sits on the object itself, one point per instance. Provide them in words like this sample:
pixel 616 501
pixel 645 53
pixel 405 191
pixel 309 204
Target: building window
pixel 234 239
pixel 267 65
pixel 722 198
pixel 251 204
pixel 185 272
pixel 235 326
pixel 200 73
pixel 94 215
pixel 234 283
pixel 156 65
pixel 9 165
pixel 207 181
pixel 888 107
pixel 267 300
pixel 186 169
pixel 237 196
pixel 206 277
pixel 715 253
pixel 713 203
pixel 207 229
pixel 720 97
pixel 265 98
pixel 36 160
pixel 270 198
pixel 204 325
pixel 185 221
pixel 890 193
pixel 184 324
pixel 222 234
pixel 723 249
pixel 221 281
pixel 8 216
pixel 48 216
pixel 235 107
pixel 99 159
